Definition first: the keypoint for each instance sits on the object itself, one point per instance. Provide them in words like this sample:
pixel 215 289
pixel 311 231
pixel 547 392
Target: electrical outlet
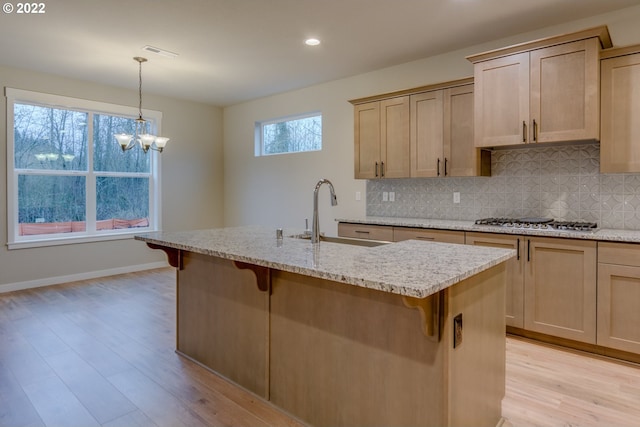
pixel 457 330
pixel 456 197
pixel 358 195
pixel 392 196
pixel 385 196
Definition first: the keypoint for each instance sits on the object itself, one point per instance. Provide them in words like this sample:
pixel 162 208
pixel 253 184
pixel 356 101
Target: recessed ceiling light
pixel 158 51
pixel 312 42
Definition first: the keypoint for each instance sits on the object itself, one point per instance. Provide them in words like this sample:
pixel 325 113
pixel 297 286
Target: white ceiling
pixel 235 50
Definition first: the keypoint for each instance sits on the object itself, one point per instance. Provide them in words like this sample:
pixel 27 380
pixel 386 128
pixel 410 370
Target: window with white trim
pixel 292 134
pixel 68 180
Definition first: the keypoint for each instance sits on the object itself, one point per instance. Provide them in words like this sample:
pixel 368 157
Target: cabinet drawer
pixel 406 233
pixel 619 253
pixel 363 231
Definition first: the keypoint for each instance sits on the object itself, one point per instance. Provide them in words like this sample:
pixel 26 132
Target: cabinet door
pixel 445 236
pixel 620 134
pixel 560 288
pixel 427 157
pixel 367 140
pixel 501 101
pixel 461 156
pixel 618 301
pixel 394 138
pixel 515 272
pixel 565 92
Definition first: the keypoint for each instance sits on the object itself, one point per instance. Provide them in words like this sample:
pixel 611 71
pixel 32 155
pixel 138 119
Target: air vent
pixel 158 51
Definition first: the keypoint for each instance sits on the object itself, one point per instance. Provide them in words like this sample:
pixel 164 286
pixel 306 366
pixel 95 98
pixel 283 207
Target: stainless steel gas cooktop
pixel 534 223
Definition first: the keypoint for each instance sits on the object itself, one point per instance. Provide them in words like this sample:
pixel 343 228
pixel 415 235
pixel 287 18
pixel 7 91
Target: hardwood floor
pixel 101 353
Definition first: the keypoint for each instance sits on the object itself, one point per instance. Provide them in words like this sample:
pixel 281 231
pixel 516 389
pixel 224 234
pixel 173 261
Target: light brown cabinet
pixel 382 139
pixel 397 234
pixel 619 296
pixel 427 119
pixel 620 133
pixel 560 288
pixel 421 132
pixel 538 92
pixel 442 141
pixel 365 231
pixel 551 284
pixel 445 236
pixel 572 289
pixel 515 271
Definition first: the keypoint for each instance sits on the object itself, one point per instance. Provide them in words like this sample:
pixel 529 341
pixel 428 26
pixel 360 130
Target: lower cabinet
pixel 398 234
pixel 445 236
pixel 515 272
pixel 619 296
pixel 551 284
pixel 365 231
pixel 579 290
pixel 560 288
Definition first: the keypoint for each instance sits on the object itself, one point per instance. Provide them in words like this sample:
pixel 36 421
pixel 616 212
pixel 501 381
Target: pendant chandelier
pixel 142 136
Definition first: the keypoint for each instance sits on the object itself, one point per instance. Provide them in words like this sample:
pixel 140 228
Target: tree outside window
pixel 70 176
pixel 291 135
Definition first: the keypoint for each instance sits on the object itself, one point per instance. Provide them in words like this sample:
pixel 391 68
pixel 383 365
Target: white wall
pixel 192 191
pixel 277 190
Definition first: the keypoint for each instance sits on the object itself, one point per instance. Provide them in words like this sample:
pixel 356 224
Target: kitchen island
pixel 409 333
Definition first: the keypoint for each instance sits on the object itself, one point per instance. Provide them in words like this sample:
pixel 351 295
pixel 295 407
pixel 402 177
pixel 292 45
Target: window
pixel 68 180
pixel 289 135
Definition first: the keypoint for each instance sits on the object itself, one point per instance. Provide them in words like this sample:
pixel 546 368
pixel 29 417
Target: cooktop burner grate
pixel 539 223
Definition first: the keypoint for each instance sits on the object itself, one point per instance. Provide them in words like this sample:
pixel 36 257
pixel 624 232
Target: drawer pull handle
pixel 362 231
pixel 524 131
pixel 424 238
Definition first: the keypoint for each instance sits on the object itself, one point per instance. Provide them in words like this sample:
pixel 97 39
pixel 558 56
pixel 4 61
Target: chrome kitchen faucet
pixel 315 232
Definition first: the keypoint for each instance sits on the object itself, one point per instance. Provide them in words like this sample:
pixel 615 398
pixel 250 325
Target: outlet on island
pixel 456 197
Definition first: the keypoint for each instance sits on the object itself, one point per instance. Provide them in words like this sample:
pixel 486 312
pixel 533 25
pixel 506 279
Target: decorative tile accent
pixel 559 181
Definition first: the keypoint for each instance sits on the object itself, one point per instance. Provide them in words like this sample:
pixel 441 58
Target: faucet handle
pixel 307 231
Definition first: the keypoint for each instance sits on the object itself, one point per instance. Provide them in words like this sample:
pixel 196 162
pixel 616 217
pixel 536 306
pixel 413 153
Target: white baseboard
pixel 8 287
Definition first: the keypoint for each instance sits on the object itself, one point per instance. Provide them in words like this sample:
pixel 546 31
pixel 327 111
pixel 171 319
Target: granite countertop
pixel 411 268
pixel 603 234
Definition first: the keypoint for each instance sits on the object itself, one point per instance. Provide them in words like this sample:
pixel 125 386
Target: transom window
pixel 291 134
pixel 68 180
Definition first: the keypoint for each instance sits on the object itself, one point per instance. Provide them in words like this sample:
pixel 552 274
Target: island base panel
pixel 344 355
pixel 223 320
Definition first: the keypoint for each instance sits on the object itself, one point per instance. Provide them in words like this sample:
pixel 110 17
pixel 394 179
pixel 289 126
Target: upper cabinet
pixel 538 92
pixel 442 134
pixel 620 134
pixel 422 132
pixel 382 139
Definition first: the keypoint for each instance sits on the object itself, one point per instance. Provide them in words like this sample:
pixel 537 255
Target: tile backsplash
pixel 561 182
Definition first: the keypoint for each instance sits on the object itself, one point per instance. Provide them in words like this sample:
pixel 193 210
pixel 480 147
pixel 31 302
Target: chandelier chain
pixel 140 87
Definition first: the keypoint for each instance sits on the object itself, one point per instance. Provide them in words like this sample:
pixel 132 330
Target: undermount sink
pixel 343 240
